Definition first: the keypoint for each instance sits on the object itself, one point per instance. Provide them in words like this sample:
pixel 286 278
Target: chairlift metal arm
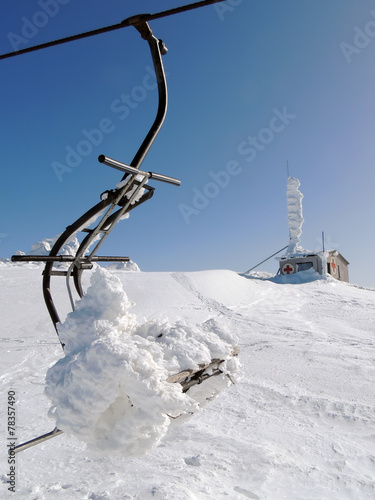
pixel 157 49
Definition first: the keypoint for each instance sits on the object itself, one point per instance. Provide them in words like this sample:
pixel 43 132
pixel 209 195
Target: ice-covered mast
pixel 295 219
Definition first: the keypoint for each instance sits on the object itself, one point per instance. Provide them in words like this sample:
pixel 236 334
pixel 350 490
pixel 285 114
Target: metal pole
pixel 268 258
pixel 40 439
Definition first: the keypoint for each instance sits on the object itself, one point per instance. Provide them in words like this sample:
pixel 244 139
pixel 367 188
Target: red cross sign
pixel 288 268
pixel 333 266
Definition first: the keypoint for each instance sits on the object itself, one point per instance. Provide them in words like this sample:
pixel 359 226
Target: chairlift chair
pixel 114 204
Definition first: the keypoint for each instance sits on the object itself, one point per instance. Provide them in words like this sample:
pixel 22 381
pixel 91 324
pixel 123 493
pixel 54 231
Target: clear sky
pixel 252 85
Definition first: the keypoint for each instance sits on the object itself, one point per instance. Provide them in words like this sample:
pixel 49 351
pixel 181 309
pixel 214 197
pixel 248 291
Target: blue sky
pixel 252 85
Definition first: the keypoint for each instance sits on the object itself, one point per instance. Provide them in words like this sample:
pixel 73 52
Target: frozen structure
pixel 115 388
pixel 295 219
pixel 296 258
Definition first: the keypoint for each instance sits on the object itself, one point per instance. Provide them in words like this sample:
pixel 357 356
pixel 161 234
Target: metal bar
pixel 165 178
pixel 57 273
pixel 195 381
pixel 131 170
pixel 154 45
pixel 109 259
pixel 268 258
pixel 37 440
pixel 110 162
pixel 64 258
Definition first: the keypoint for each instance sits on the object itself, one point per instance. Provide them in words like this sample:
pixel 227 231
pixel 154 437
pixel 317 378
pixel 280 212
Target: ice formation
pixel 295 219
pixel 110 389
pixel 44 247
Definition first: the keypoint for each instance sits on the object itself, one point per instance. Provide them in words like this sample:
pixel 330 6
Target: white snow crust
pixel 299 425
pixel 295 219
pixel 110 389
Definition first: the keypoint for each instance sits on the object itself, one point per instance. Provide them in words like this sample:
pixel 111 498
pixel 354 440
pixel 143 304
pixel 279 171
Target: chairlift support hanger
pixel 115 203
pixel 116 197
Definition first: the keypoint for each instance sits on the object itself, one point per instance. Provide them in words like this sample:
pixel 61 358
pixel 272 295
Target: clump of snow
pixel 295 219
pixel 110 390
pixel 124 266
pixel 45 246
pixel 130 193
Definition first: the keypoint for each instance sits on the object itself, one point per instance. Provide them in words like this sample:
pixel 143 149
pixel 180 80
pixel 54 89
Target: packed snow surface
pixel 295 219
pixel 298 425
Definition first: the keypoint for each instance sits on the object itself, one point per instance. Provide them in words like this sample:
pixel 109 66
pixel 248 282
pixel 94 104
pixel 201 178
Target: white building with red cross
pixel 296 258
pixel 331 262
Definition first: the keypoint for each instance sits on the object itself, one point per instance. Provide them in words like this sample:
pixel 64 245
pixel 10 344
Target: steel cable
pixel 124 24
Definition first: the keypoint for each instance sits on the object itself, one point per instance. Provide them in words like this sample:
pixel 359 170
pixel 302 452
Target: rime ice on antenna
pixel 295 219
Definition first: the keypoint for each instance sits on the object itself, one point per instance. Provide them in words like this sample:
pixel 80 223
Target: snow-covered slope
pixel 300 424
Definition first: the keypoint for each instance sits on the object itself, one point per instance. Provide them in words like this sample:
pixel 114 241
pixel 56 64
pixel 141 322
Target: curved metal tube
pixel 157 49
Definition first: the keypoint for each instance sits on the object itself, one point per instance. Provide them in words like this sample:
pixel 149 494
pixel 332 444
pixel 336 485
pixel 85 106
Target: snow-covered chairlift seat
pixel 114 204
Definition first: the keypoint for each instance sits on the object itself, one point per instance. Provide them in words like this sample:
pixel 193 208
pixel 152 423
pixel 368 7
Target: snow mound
pixel 257 275
pixel 124 266
pixel 45 246
pixel 298 278
pixel 110 390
